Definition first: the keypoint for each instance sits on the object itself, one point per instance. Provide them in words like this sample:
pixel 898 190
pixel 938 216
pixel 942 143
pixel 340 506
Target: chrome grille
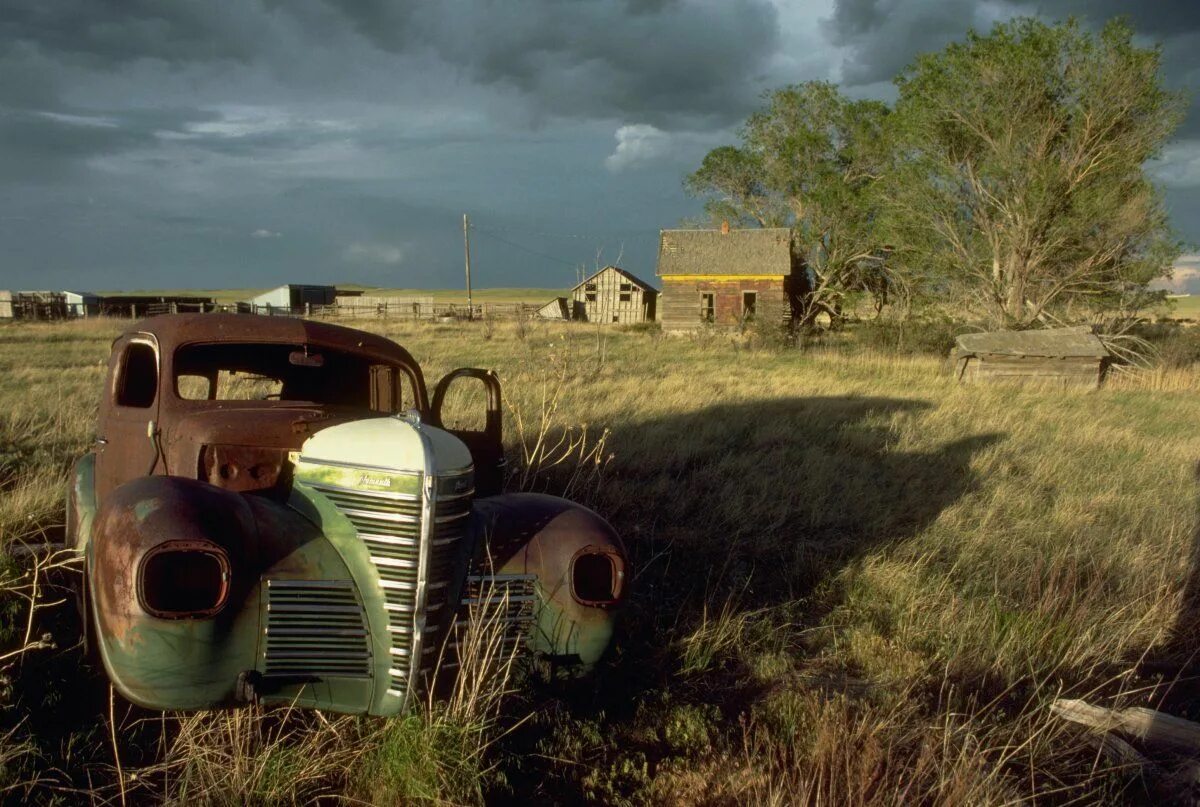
pixel 315 628
pixel 389 525
pixel 491 602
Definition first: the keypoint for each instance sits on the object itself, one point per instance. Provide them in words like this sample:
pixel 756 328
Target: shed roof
pixel 1077 342
pixel 766 251
pixel 559 306
pixel 632 278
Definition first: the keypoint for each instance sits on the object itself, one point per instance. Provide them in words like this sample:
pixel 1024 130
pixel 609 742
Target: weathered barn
pixel 1064 355
pixel 6 309
pixel 727 277
pixel 613 295
pixel 294 298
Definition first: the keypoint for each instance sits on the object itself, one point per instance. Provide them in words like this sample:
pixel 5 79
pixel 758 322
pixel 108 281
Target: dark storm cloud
pixel 653 60
pixel 105 32
pixel 884 35
pixel 660 62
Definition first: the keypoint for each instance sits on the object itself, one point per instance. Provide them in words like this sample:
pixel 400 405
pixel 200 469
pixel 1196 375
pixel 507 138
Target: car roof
pixel 173 330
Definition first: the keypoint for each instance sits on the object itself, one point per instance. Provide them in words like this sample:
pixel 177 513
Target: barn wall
pixel 607 305
pixel 680 301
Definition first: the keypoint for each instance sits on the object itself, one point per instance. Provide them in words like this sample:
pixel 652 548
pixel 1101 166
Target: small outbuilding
pixel 294 298
pixel 1066 355
pixel 613 295
pixel 82 303
pixel 558 308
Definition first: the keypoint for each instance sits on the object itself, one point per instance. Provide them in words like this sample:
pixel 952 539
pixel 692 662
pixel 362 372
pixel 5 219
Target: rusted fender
pixel 181 642
pixel 581 566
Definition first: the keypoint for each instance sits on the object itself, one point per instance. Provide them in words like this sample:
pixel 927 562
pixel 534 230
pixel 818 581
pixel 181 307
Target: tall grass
pixel 856 581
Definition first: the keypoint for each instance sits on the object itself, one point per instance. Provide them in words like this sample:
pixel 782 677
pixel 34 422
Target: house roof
pixel 766 251
pixel 632 278
pixel 1077 342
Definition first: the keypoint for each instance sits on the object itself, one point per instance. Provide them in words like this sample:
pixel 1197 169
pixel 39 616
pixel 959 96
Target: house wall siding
pixel 681 297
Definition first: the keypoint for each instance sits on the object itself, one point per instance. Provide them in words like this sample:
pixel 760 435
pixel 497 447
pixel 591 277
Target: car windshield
pixel 229 371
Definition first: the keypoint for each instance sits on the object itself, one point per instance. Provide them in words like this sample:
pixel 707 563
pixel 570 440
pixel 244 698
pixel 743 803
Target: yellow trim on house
pixel 722 278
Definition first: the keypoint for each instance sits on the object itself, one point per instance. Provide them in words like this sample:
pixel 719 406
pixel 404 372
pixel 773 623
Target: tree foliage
pixel 810 160
pixel 1009 181
pixel 1016 186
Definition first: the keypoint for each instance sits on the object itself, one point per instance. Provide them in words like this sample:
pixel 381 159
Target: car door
pixel 486 444
pixel 127 442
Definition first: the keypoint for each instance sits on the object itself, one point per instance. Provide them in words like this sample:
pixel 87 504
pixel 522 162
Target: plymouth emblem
pixel 369 481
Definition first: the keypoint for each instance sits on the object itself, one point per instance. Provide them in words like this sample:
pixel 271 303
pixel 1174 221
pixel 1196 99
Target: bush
pixel 925 336
pixel 1177 345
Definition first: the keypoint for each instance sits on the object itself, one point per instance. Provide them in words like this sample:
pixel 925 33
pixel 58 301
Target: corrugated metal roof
pixel 766 251
pixel 1077 342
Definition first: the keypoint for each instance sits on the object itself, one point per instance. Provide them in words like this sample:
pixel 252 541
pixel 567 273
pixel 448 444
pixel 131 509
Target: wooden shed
pixel 728 277
pixel 558 308
pixel 1066 355
pixel 82 303
pixel 614 295
pixel 293 298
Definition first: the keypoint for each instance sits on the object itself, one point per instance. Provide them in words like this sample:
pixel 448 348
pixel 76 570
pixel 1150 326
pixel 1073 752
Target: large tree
pixel 1017 183
pixel 811 160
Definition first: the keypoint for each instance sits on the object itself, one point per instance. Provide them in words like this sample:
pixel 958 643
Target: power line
pixel 594 237
pixel 514 245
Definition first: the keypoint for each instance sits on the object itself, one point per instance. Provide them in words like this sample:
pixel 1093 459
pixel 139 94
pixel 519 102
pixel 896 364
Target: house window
pixel 626 296
pixel 616 317
pixel 626 287
pixel 749 304
pixel 708 307
pixel 590 296
pixel 590 287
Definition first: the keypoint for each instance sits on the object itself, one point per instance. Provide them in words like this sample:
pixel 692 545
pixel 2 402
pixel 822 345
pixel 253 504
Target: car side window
pixel 138 381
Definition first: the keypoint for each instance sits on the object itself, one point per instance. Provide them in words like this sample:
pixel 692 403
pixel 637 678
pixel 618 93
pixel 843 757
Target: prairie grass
pixel 856 581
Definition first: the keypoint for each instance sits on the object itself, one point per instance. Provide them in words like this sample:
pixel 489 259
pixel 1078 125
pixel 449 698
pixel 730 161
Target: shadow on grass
pixel 1172 668
pixel 759 505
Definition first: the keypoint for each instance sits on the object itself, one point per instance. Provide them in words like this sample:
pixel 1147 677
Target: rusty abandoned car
pixel 274 512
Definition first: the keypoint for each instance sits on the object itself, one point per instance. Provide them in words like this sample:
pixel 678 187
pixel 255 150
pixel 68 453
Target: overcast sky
pixel 150 144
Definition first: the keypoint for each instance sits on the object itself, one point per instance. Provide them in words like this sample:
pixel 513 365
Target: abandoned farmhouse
pixel 727 277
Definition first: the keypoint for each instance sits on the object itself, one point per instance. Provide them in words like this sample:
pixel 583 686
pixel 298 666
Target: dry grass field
pixel 857 582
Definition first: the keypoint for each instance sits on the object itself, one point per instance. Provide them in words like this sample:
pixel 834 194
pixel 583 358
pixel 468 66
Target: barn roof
pixel 1078 342
pixel 766 251
pixel 632 278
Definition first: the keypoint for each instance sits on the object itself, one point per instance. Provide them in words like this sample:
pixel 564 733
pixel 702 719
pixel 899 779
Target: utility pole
pixel 467 253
